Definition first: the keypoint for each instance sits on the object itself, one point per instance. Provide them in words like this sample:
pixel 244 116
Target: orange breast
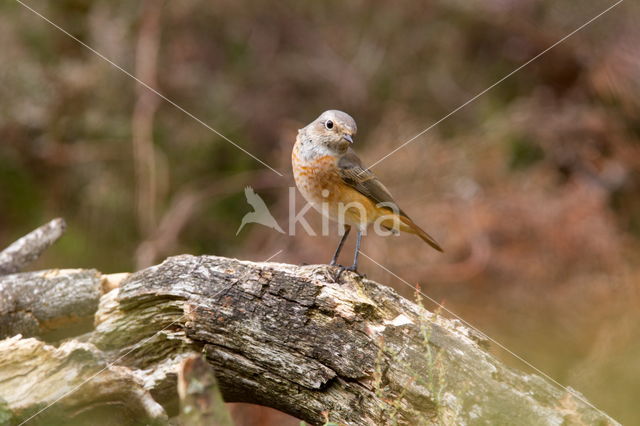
pixel 320 183
pixel 318 178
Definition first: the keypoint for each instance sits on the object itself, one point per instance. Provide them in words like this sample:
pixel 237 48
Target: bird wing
pixel 364 181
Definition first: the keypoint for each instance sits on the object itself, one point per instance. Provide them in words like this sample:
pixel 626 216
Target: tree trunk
pixel 295 338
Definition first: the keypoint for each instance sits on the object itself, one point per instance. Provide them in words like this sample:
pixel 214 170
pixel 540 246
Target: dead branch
pixel 50 304
pixel 284 336
pixel 28 248
pixel 201 402
pixel 34 375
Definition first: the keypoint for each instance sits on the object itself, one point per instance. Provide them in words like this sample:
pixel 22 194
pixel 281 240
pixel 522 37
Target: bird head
pixel 333 129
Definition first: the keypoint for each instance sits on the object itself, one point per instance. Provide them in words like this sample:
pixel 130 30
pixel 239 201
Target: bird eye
pixel 328 124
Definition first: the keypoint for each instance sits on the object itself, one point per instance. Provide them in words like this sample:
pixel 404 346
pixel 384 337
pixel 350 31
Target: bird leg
pixel 347 228
pixel 354 267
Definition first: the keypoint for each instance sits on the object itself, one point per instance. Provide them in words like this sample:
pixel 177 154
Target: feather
pixel 365 182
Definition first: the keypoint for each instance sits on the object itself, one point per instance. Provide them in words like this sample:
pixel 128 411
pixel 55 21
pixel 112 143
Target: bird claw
pixel 351 268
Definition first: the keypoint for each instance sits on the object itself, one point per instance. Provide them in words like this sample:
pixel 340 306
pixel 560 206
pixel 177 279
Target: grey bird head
pixel 333 130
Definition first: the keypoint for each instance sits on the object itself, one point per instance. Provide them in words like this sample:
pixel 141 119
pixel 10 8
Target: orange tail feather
pixel 415 229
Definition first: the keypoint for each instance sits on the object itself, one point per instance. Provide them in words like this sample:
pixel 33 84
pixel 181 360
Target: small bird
pixel 260 213
pixel 332 179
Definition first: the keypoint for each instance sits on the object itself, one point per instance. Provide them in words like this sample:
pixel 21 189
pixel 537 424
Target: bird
pixel 261 213
pixel 333 180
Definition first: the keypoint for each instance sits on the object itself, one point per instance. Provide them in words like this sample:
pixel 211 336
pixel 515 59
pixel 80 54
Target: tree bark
pixel 201 402
pixel 294 338
pixel 30 247
pixel 50 304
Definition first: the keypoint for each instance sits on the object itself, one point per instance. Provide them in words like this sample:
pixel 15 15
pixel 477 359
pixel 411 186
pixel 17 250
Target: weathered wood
pixel 36 376
pixel 201 402
pixel 292 338
pixel 51 304
pixel 28 248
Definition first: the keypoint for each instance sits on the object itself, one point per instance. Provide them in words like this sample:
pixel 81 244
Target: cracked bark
pixel 284 336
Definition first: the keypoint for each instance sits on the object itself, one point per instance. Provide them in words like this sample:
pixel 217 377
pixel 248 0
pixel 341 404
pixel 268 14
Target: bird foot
pixel 352 268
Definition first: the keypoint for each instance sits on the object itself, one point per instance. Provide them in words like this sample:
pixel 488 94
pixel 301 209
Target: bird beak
pixel 348 138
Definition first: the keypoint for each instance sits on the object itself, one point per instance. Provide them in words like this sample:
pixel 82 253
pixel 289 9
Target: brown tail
pixel 415 229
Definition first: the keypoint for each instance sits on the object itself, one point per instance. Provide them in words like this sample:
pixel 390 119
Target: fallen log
pixel 295 338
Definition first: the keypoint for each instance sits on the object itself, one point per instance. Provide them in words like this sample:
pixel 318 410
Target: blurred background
pixel 533 189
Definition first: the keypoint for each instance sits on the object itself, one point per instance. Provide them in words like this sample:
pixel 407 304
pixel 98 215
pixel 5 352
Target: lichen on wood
pixel 50 304
pixel 301 340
